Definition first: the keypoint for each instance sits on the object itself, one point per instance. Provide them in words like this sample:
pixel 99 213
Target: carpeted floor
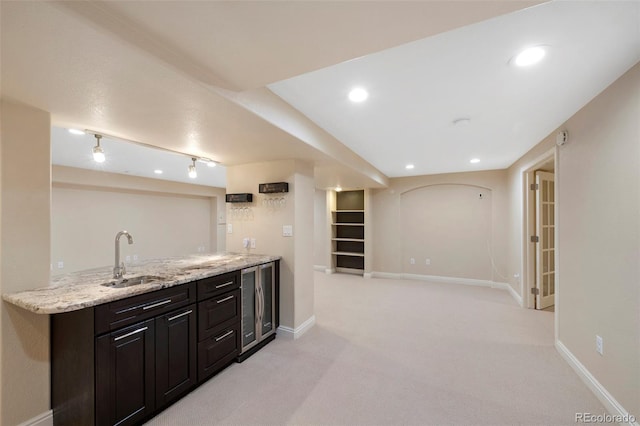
pixel 392 352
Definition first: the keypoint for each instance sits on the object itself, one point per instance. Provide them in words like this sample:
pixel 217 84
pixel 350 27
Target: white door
pixel 545 247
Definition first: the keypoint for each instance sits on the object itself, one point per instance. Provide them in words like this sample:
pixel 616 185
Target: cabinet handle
pixel 225 284
pixel 180 315
pixel 155 305
pixel 225 299
pixel 227 334
pixel 140 330
pixel 260 304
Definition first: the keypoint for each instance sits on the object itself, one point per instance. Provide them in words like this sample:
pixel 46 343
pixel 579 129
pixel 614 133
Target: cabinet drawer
pixel 217 313
pixel 219 284
pixel 120 313
pixel 218 351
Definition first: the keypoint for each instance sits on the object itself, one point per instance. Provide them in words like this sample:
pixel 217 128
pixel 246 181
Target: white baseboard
pixel 610 403
pixel 389 275
pixel 329 271
pixel 367 275
pixel 290 333
pixel 515 295
pixel 320 268
pixel 44 419
pixel 450 280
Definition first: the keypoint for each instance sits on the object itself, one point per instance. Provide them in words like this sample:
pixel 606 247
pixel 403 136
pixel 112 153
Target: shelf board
pixel 347 211
pixel 348 253
pixel 353 271
pixel 348 224
pixel 357 240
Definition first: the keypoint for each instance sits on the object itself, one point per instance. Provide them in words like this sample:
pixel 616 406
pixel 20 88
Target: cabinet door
pixel 249 299
pixel 267 311
pixel 175 354
pixel 125 375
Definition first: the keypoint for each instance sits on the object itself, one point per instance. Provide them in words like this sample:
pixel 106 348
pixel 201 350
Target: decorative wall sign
pixel 273 188
pixel 239 198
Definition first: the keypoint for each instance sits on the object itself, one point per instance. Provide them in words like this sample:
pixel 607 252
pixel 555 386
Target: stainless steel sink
pixel 128 282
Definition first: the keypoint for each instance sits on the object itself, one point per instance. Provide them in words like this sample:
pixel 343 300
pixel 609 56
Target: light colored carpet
pixel 390 352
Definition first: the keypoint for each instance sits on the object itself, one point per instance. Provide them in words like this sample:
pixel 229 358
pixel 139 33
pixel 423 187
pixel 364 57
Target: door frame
pixel 528 253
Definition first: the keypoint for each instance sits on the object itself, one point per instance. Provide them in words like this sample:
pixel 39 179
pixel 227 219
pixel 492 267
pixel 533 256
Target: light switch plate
pixel 253 243
pixel 229 228
pixel 287 230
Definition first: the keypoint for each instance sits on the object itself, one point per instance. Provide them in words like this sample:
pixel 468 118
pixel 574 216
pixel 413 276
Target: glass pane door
pixel 248 306
pixel 267 283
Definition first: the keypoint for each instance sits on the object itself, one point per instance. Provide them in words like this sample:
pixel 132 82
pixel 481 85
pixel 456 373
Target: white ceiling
pixel 417 90
pixel 190 77
pixel 127 158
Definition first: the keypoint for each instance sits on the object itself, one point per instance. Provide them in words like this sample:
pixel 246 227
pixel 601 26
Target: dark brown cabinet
pixel 118 363
pixel 125 375
pixel 219 313
pixel 121 362
pixel 145 366
pixel 176 360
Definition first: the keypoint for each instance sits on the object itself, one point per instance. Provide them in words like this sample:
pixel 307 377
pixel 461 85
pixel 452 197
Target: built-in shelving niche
pixel 348 232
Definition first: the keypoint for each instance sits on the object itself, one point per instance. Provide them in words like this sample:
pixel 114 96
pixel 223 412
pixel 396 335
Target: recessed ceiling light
pixel 76 131
pixel 529 56
pixel 338 188
pixel 409 166
pixel 474 160
pixel 157 171
pixel 358 94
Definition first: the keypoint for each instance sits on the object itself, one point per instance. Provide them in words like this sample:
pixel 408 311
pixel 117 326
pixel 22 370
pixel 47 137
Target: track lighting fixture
pixel 99 156
pixel 98 153
pixel 192 169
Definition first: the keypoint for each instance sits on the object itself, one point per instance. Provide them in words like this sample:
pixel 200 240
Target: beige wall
pixel 25 228
pixel 404 215
pixel 320 233
pixel 264 223
pixel 599 238
pixel 165 218
pixel 517 219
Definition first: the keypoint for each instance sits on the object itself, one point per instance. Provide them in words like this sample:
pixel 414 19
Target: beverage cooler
pixel 259 314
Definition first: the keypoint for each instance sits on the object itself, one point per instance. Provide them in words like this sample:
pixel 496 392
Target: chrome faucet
pixel 119 269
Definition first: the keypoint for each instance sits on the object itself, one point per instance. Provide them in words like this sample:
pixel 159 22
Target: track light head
pixel 98 153
pixel 193 173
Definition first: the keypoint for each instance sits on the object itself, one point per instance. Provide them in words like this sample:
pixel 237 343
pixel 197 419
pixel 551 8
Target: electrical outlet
pixel 60 264
pixel 599 345
pixel 229 228
pixel 287 230
pixel 412 261
pixel 253 243
pixel 427 261
pixel 127 258
pixel 245 242
pixel 135 257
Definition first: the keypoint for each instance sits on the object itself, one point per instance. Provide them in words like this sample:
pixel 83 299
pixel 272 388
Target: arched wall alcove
pixel 447 230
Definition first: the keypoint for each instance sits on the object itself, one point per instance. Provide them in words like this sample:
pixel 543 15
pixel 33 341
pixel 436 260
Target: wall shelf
pixel 347 231
pixel 348 253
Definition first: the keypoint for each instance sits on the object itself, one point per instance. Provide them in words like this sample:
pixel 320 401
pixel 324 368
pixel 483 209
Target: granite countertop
pixel 83 289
